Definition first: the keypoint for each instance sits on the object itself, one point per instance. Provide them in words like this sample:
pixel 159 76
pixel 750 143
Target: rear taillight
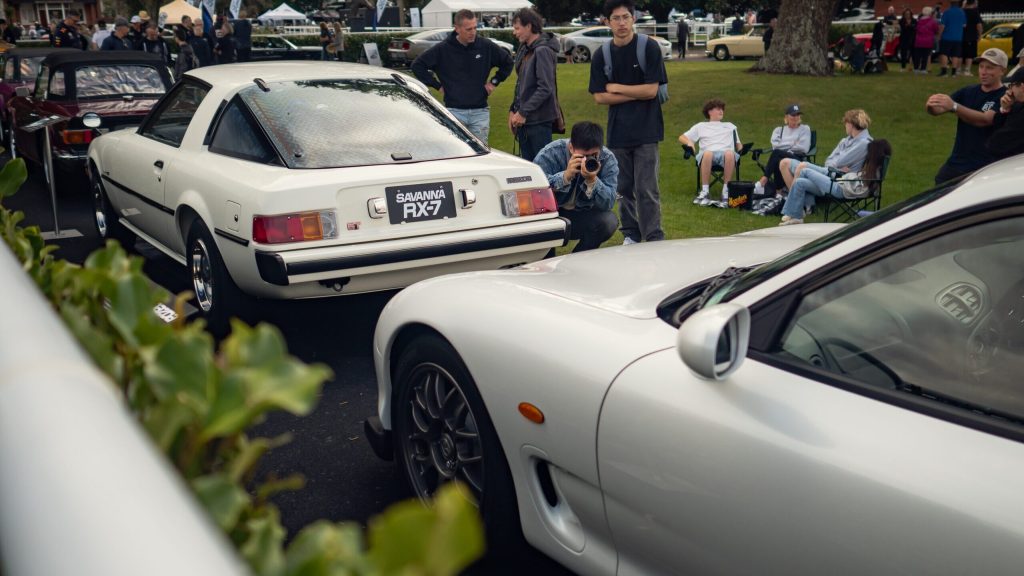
pixel 297 227
pixel 528 202
pixel 71 137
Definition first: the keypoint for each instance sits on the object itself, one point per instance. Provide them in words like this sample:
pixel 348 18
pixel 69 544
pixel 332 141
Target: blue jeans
pixel 478 120
pixel 813 181
pixel 639 196
pixel 533 137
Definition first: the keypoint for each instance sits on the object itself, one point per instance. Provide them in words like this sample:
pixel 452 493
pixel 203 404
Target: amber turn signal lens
pixel 531 412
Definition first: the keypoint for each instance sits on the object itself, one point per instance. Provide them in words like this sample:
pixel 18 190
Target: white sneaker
pixel 701 199
pixel 788 221
pixel 627 241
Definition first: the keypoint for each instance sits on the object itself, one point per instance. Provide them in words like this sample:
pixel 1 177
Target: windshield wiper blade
pixel 722 279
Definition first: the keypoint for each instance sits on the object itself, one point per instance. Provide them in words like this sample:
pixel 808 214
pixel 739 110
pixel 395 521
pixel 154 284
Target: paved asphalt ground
pixel 344 479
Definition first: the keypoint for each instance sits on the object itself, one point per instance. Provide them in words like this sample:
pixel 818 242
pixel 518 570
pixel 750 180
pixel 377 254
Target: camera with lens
pixel 591 163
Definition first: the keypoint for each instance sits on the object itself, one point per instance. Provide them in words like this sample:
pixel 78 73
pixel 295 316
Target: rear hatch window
pixel 363 122
pixel 106 81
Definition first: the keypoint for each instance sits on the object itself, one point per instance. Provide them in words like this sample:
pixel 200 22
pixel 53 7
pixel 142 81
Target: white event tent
pixel 283 14
pixel 175 10
pixel 439 13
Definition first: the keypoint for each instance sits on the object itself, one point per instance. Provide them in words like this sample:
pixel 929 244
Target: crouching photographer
pixel 584 175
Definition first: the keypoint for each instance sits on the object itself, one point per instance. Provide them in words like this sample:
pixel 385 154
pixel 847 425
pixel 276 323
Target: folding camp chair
pixel 717 172
pixel 848 209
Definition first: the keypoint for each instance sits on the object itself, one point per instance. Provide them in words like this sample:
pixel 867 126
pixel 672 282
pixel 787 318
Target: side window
pixel 57 88
pixel 238 136
pixel 1001 32
pixel 171 120
pixel 42 83
pixel 276 43
pixel 941 319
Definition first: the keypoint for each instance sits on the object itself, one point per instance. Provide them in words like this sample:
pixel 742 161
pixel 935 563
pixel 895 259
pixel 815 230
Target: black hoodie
pixel 535 97
pixel 462 70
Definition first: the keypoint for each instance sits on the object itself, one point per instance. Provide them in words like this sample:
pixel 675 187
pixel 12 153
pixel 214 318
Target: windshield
pixel 742 283
pixel 342 123
pixel 98 81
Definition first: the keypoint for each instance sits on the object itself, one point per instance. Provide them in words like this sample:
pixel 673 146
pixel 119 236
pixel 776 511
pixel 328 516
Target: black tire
pixel 580 54
pixel 216 295
pixel 446 448
pixel 105 218
pixel 721 53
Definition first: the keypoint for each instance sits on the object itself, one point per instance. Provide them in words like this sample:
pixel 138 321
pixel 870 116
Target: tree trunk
pixel 800 43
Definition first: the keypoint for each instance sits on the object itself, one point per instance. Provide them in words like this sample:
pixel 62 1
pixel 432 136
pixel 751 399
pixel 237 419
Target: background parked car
pixel 1000 36
pixel 18 67
pixel 581 44
pixel 276 47
pixel 116 89
pixel 405 50
pixel 891 47
pixel 749 45
pixel 249 176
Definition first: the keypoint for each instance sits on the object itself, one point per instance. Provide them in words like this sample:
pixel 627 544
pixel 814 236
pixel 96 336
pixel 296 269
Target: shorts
pixel 951 48
pixel 717 158
pixel 970 49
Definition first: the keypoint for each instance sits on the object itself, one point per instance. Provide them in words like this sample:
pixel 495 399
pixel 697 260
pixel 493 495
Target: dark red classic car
pixel 96 91
pixel 18 67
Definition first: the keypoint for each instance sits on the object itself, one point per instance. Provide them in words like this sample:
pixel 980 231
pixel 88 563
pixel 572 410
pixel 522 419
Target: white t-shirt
pixel 714 136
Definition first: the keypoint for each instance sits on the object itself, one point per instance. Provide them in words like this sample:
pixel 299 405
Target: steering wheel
pixel 826 344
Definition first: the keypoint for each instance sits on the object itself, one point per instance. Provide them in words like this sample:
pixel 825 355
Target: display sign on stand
pixel 51 180
pixel 372 54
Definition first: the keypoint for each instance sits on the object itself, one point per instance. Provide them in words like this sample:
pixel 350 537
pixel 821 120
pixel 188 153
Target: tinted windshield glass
pixel 118 79
pixel 757 275
pixel 337 123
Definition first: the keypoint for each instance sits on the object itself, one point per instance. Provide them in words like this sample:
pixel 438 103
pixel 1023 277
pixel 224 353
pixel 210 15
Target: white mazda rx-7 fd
pixel 310 179
pixel 853 406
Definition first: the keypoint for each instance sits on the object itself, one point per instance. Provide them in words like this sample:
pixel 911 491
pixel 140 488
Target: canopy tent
pixel 282 14
pixel 439 13
pixel 175 10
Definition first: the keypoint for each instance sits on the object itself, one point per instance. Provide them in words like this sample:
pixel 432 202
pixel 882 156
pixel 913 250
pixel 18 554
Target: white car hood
pixel 633 280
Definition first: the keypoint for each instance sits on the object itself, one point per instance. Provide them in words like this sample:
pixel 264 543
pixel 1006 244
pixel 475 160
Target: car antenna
pixel 262 84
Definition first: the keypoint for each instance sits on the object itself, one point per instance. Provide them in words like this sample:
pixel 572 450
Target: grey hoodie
pixel 535 80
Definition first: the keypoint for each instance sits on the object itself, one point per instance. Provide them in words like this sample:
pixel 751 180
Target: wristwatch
pixel 494 82
pixel 955 106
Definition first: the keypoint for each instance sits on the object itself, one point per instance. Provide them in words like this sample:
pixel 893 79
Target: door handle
pixel 159 164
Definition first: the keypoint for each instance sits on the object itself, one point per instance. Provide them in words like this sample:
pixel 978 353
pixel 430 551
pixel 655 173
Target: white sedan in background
pixel 580 45
pixel 853 406
pixel 304 180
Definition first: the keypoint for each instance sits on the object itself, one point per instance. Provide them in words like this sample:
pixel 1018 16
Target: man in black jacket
pixel 459 67
pixel 119 39
pixel 1008 138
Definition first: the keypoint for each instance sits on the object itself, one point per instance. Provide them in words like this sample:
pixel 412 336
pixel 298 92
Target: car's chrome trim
pixel 231 237
pixel 128 190
pixel 73 155
pixel 396 256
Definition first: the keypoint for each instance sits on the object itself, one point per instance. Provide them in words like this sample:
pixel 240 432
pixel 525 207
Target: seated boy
pixel 719 145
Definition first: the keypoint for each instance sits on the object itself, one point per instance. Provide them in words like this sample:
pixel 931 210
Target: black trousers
pixel 771 168
pixel 922 57
pixel 590 227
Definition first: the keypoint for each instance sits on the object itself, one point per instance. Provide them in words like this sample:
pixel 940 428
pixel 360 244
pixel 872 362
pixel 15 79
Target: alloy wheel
pixel 202 275
pixel 443 441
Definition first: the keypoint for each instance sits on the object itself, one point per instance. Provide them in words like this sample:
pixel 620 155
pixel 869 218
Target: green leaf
pixel 181 364
pixel 263 549
pixel 439 541
pixel 250 452
pixel 12 176
pixel 97 343
pixel 289 483
pixel 166 420
pixel 222 498
pixel 325 549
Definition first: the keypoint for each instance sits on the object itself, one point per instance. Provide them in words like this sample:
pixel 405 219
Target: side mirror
pixel 713 341
pixel 22 92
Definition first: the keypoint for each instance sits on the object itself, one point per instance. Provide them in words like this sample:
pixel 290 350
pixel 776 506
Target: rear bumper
pixel 429 252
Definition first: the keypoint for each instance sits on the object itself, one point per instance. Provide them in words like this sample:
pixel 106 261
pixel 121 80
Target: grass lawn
pixel 755 103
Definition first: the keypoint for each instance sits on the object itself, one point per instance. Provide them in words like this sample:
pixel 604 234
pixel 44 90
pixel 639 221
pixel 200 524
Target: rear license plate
pixel 418 202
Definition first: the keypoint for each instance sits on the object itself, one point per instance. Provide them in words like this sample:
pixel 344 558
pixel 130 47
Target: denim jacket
pixel 553 159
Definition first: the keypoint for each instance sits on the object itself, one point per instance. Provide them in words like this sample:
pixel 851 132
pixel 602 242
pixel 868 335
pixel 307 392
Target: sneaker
pixel 966 73
pixel 808 210
pixel 701 199
pixel 627 241
pixel 943 73
pixel 787 221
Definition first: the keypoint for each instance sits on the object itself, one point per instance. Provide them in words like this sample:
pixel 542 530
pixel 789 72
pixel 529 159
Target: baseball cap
pixel 793 110
pixel 136 19
pixel 1015 78
pixel 995 56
